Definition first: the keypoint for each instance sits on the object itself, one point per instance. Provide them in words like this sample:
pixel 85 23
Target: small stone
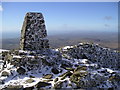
pixel 56 80
pixel 69 69
pixel 32 76
pixel 48 80
pixel 30 80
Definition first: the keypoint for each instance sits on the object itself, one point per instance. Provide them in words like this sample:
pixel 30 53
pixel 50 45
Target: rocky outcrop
pixel 68 73
pixel 21 70
pixel 94 53
pixel 55 70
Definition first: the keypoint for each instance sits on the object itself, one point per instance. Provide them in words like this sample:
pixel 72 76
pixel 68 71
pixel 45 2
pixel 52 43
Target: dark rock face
pixel 33 32
pixel 54 70
pixel 21 70
pixel 15 87
pixel 42 84
pixel 95 54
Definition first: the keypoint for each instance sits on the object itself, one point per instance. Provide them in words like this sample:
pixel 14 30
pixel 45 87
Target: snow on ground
pixel 67 47
pixel 92 68
pixel 15 56
pixel 110 70
pixel 3 50
pixel 21 79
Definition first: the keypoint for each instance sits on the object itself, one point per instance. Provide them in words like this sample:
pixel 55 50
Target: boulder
pixel 42 84
pixel 79 68
pixel 21 70
pixel 77 76
pixel 45 62
pixel 69 69
pixel 99 78
pixel 4 54
pixel 30 80
pixel 5 73
pixel 74 79
pixel 2 82
pixel 84 56
pixel 48 80
pixel 66 64
pixel 114 78
pixel 8 57
pixel 58 85
pixel 64 75
pixel 32 76
pixel 34 62
pixel 48 76
pixel 55 70
pixel 56 79
pixel 80 73
pixel 14 87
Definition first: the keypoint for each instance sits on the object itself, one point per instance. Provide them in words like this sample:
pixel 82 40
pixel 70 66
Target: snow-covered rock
pixel 53 70
pixel 104 57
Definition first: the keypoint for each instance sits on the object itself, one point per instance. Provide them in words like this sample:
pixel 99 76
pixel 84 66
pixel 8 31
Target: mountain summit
pixel 36 66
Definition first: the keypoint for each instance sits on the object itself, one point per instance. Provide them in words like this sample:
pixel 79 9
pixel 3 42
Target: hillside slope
pixel 84 66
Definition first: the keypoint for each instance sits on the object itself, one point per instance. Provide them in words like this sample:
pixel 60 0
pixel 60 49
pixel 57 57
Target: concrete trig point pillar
pixel 33 32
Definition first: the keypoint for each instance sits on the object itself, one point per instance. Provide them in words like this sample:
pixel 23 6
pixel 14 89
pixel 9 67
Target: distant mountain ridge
pixel 57 41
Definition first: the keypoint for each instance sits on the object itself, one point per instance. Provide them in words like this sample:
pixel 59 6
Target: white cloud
pixel 106 25
pixel 108 18
pixel 1 9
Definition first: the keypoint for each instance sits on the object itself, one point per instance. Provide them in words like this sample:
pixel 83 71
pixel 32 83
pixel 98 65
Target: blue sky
pixel 63 16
